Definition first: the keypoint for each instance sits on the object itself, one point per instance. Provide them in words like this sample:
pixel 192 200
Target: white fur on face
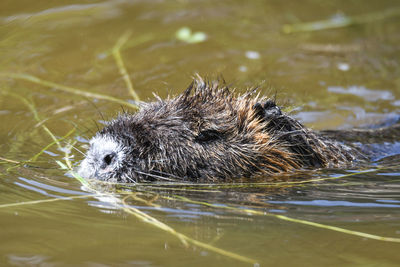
pixel 100 146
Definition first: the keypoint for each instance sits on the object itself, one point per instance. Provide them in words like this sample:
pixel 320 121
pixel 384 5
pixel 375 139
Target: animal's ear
pixel 267 109
pixel 259 110
pixel 208 135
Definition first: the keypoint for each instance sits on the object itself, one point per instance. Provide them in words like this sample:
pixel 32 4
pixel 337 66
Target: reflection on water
pixel 337 78
pixel 361 91
pixel 328 203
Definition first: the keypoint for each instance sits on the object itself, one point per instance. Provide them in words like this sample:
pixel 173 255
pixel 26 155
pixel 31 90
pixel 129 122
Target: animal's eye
pixel 108 159
pixel 208 135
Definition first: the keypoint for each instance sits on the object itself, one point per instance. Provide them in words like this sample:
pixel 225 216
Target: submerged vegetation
pixel 125 195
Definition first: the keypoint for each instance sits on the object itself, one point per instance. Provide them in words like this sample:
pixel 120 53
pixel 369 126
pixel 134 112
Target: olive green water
pixel 333 78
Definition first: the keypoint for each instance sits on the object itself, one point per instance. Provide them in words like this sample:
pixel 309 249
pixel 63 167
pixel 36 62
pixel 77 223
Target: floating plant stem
pixel 116 52
pixel 337 229
pixel 67 89
pixel 9 160
pixel 131 43
pixel 43 201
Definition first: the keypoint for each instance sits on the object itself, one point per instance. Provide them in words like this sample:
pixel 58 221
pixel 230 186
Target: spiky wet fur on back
pixel 208 133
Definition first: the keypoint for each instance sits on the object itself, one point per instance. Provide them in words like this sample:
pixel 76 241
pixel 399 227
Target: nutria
pixel 208 133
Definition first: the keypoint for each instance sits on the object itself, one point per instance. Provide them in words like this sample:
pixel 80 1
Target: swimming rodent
pixel 208 133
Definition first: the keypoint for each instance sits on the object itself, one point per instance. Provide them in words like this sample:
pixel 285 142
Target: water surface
pixel 331 79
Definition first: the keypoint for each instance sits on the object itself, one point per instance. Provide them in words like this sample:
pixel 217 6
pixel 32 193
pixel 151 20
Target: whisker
pixel 123 110
pixel 83 133
pixel 155 176
pixel 97 109
pixel 69 144
pixel 130 179
pixel 169 174
pixel 97 126
pixel 84 154
pixel 79 129
pixel 87 130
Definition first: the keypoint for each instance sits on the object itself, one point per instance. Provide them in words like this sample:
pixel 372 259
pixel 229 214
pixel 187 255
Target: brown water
pixel 336 78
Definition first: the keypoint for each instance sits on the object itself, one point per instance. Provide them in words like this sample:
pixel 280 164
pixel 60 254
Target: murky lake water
pixel 334 78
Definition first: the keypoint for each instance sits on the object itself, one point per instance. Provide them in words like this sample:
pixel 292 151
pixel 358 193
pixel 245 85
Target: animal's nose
pixel 86 169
